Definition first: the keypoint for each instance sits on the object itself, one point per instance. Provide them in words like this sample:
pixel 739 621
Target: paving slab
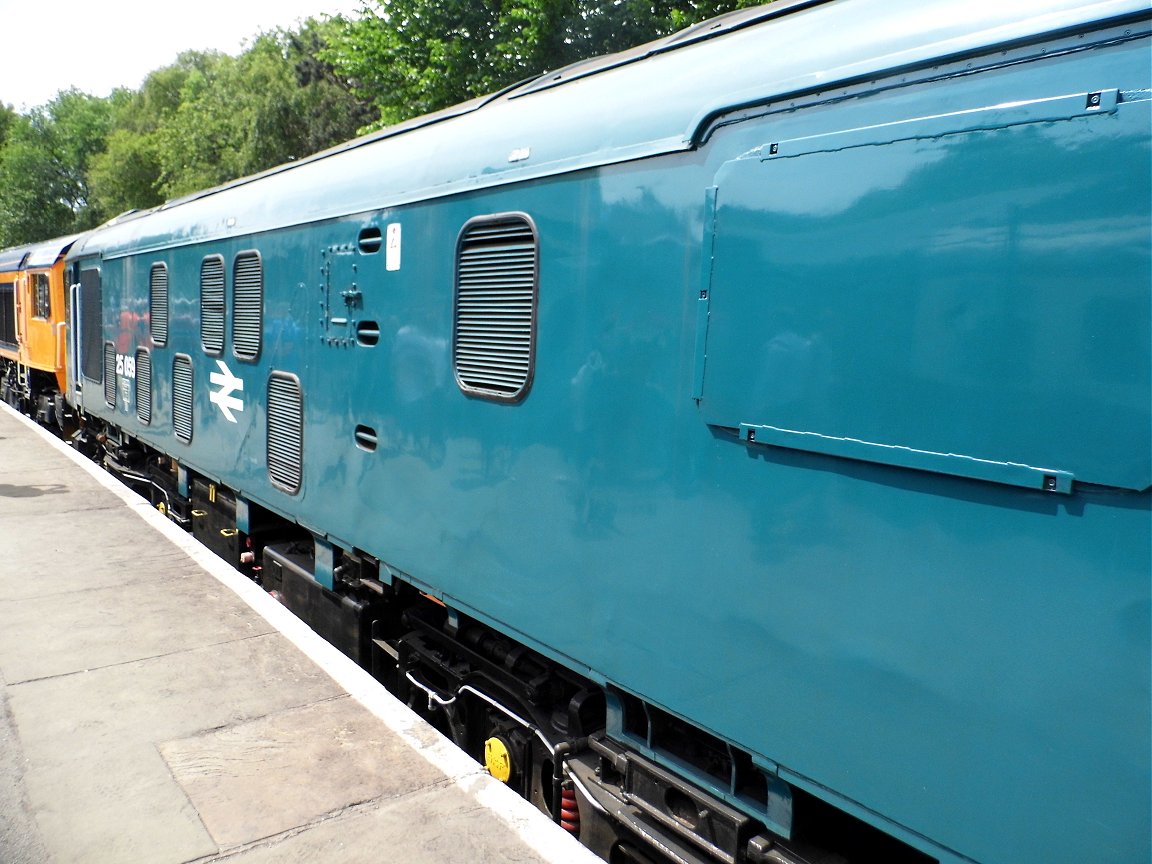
pixel 20 841
pixel 255 762
pixel 120 807
pixel 108 794
pixel 160 708
pixel 160 699
pixel 164 615
pixel 43 545
pixel 442 824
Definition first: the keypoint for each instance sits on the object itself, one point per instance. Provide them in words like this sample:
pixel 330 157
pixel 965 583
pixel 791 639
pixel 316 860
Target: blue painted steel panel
pixel 901 290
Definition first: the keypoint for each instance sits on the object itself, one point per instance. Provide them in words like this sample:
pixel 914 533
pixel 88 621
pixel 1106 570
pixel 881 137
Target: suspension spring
pixel 569 812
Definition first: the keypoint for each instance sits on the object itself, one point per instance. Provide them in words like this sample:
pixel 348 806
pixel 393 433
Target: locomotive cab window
pixel 158 304
pixel 247 305
pixel 494 321
pixel 41 296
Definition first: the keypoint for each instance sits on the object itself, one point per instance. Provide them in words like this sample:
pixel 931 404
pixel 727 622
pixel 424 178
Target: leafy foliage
pixel 206 119
pixel 411 57
pixel 44 168
pixel 7 118
pixel 33 204
pixel 126 175
pixel 238 116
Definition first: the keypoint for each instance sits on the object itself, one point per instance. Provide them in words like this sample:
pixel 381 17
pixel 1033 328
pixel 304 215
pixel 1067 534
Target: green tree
pixel 204 120
pixel 329 110
pixel 33 196
pixel 195 143
pixel 127 175
pixel 276 102
pixel 7 119
pixel 75 129
pixel 411 57
pixel 43 168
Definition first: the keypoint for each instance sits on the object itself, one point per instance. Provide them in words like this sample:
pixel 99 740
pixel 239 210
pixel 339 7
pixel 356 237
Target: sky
pixel 50 45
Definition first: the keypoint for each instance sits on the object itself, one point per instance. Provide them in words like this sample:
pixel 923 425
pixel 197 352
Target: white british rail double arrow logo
pixel 223 397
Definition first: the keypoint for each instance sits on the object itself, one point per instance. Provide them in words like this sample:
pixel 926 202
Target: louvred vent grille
pixel 247 305
pixel 495 324
pixel 7 313
pixel 110 374
pixel 158 297
pixel 143 386
pixel 91 323
pixel 182 398
pixel 285 432
pixel 212 305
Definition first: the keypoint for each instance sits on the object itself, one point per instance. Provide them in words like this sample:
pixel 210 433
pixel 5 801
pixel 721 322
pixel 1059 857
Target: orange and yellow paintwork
pixel 40 321
pixel 34 362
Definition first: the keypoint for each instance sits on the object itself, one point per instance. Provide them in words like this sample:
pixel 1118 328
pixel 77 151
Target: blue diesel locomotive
pixel 740 443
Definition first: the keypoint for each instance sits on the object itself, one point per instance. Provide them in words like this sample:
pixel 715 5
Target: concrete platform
pixel 158 707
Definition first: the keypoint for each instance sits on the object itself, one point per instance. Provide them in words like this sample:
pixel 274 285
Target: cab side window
pixel 42 303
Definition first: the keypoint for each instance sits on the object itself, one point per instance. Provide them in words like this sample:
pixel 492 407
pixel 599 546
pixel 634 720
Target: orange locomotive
pixel 33 343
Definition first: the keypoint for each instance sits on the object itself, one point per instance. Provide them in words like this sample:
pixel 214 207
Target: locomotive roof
pixel 12 259
pixel 657 98
pixel 45 254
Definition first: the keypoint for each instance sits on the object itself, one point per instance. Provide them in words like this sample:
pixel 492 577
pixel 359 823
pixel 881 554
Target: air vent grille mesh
pixel 495 324
pixel 247 305
pixel 110 374
pixel 285 432
pixel 143 386
pixel 212 304
pixel 158 298
pixel 182 398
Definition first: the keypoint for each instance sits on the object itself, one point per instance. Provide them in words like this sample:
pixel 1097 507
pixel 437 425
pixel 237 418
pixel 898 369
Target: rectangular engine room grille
pixel 247 305
pixel 212 304
pixel 143 386
pixel 182 397
pixel 285 432
pixel 7 313
pixel 110 374
pixel 158 304
pixel 493 340
pixel 91 324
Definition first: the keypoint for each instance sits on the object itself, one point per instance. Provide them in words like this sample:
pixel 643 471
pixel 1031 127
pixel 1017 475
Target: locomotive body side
pixel 825 452
pixel 33 361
